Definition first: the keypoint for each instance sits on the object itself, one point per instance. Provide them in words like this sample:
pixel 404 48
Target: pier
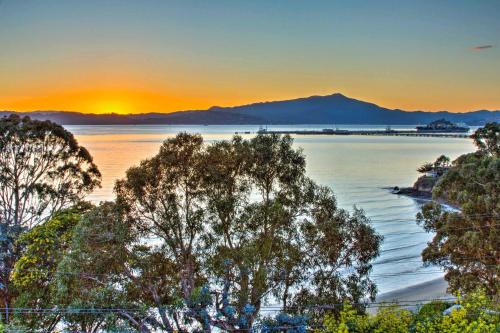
pixel 408 133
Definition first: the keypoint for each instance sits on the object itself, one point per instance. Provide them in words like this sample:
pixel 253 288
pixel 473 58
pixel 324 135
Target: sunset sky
pixel 161 56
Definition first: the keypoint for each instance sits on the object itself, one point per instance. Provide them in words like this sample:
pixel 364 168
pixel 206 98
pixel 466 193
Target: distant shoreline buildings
pixel 442 126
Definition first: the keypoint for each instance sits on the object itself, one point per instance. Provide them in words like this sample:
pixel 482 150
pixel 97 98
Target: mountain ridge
pixel 327 109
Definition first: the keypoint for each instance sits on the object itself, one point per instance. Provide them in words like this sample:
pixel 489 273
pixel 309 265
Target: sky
pixel 103 56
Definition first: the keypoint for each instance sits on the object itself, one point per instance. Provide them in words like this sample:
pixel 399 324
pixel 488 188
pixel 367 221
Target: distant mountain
pixel 340 109
pixel 180 117
pixel 330 109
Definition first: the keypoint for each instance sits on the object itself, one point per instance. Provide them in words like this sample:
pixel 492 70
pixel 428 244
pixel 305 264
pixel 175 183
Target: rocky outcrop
pixel 421 189
pixel 425 184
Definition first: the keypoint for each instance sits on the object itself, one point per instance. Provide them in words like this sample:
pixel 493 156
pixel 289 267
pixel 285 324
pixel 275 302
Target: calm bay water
pixel 357 168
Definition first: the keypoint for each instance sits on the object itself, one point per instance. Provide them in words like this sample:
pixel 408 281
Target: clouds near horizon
pixel 483 47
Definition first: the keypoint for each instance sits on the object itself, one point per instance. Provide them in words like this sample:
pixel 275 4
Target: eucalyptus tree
pixel 440 166
pixel 487 139
pixel 467 242
pixel 85 271
pixel 203 236
pixel 42 170
pixel 35 275
pixel 240 224
pixel 108 267
pixel 97 288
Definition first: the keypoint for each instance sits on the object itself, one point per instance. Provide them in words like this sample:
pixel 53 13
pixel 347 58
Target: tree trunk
pixel 6 311
pixel 6 302
pixel 187 278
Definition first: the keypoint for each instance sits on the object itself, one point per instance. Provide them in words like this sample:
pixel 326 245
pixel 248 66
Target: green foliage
pixel 440 166
pixel 477 314
pixel 35 274
pixel 43 247
pixel 93 273
pixel 392 320
pixel 199 237
pixel 431 310
pixel 42 170
pixel 349 320
pixel 389 318
pixel 442 162
pixel 427 167
pixel 466 243
pixel 236 216
pixel 487 139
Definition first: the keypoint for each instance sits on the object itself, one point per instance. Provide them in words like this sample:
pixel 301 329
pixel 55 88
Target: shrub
pixel 475 314
pixel 389 319
pixel 392 319
pixel 349 320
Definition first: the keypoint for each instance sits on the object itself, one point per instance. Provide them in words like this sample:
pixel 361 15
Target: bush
pixel 475 314
pixel 392 319
pixel 431 310
pixel 389 319
pixel 349 320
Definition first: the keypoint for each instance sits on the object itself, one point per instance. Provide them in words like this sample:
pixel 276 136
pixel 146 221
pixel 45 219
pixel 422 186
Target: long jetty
pixel 409 133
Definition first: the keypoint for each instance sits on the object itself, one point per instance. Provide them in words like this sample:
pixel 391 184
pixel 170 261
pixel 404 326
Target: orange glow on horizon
pixel 104 102
pixel 123 87
pixel 113 106
pixel 154 56
pixel 133 101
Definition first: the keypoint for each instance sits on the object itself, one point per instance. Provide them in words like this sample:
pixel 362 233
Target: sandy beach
pixel 412 297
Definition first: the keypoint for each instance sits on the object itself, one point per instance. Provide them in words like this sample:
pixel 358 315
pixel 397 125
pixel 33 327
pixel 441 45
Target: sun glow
pixel 113 106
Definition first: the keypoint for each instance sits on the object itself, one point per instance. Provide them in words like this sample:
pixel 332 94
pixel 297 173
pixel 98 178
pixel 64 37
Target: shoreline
pixel 412 297
pixel 412 193
pixel 423 196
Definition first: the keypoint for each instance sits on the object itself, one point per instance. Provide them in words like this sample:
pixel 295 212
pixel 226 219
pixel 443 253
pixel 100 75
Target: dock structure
pixel 408 133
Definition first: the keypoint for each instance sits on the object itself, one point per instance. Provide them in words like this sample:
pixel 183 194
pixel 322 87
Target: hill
pixel 330 109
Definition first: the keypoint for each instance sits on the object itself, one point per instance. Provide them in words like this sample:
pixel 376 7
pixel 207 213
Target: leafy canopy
pixel 35 273
pixel 440 166
pixel 42 170
pixel 467 242
pixel 487 139
pixel 202 236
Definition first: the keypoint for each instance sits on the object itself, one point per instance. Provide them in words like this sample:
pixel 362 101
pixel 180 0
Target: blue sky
pixel 169 55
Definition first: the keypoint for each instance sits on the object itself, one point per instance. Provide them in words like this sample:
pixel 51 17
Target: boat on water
pixel 442 126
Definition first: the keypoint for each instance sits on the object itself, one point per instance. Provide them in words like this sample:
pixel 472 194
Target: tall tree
pixel 202 236
pixel 42 170
pixel 35 274
pixel 109 266
pixel 165 199
pixel 97 272
pixel 440 166
pixel 242 218
pixel 467 242
pixel 487 139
